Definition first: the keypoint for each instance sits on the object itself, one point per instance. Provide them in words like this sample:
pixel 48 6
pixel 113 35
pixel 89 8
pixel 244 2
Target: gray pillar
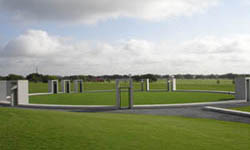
pixel 118 96
pixel 22 92
pixel 118 93
pixel 65 84
pixel 3 90
pixel 19 92
pixel 147 85
pixel 52 86
pixel 248 89
pixel 131 101
pixel 78 86
pixel 168 85
pixel 142 85
pixel 240 88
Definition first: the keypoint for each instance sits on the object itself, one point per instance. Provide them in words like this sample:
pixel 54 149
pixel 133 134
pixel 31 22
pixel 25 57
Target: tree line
pixel 35 77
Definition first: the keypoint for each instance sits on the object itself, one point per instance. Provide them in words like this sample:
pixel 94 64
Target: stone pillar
pixel 53 86
pixel 240 88
pixel 19 92
pixel 248 89
pixel 142 85
pixel 65 84
pixel 23 91
pixel 147 85
pixel 118 96
pixel 168 85
pixel 173 84
pixel 78 86
pixel 118 92
pixel 3 90
pixel 131 101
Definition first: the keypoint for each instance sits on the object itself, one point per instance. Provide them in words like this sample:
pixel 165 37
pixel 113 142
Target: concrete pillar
pixel 248 89
pixel 131 101
pixel 173 84
pixel 118 93
pixel 147 85
pixel 78 86
pixel 19 92
pixel 22 92
pixel 118 96
pixel 65 84
pixel 240 88
pixel 3 90
pixel 142 85
pixel 53 86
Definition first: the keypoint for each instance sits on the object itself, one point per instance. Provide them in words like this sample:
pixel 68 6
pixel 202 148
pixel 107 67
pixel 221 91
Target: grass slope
pixel 139 98
pixel 36 129
pixel 246 108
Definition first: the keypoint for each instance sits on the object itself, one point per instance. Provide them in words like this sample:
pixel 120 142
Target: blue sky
pixel 223 21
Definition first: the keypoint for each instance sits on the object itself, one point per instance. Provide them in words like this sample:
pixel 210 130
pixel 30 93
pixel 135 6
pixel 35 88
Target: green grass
pixel 195 84
pixel 246 108
pixel 139 98
pixel 35 129
pixel 205 84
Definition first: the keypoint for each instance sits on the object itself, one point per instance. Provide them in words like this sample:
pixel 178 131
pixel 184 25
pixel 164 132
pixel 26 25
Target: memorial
pixel 78 86
pixel 65 86
pixel 119 90
pixel 53 86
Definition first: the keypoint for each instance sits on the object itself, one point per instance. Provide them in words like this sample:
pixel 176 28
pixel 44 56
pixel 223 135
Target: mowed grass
pixel 108 98
pixel 246 108
pixel 194 84
pixel 206 84
pixel 36 129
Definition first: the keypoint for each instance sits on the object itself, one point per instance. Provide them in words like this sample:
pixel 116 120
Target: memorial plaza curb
pixel 227 111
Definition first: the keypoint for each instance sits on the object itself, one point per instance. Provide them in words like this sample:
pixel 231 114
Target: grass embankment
pixel 35 129
pixel 246 108
pixel 139 98
pixel 195 84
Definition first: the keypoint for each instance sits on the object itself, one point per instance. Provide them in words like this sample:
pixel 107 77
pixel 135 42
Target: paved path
pixel 193 112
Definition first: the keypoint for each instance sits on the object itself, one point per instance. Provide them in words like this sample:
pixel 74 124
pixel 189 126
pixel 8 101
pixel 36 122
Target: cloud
pixel 63 56
pixel 33 43
pixel 92 11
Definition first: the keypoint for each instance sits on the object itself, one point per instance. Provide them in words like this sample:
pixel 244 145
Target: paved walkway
pixel 193 112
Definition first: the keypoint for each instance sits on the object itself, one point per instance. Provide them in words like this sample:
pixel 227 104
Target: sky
pixel 98 37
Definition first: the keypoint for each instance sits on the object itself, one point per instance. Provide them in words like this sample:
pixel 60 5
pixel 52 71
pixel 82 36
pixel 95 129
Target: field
pixel 36 129
pixel 194 84
pixel 108 98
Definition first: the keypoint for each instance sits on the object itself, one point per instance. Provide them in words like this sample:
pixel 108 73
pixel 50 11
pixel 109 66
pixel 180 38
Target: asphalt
pixel 192 112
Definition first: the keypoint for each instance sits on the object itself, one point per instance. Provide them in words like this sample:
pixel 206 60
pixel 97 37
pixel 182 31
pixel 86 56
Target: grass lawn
pixel 195 84
pixel 246 108
pixel 205 84
pixel 139 98
pixel 39 129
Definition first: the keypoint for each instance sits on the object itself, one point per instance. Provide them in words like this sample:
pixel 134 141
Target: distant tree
pixel 35 77
pixel 3 78
pixel 151 77
pixel 14 77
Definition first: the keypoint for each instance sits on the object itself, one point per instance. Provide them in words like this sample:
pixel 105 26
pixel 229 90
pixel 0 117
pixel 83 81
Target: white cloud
pixel 92 11
pixel 55 55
